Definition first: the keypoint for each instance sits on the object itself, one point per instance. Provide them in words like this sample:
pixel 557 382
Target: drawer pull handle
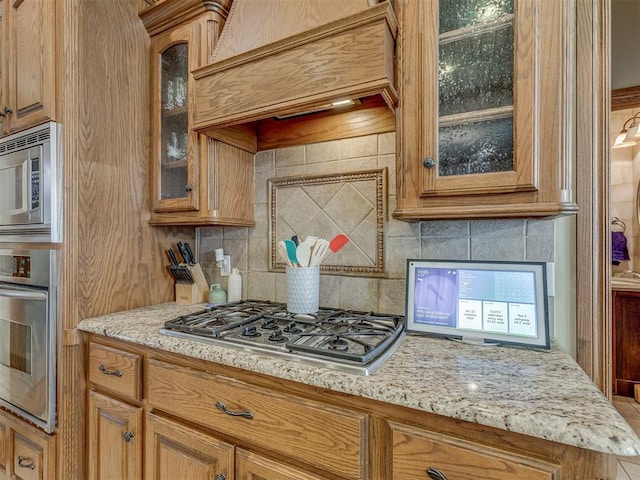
pixel 223 408
pixel 21 463
pixel 220 477
pixel 435 474
pixel 128 436
pixel 116 373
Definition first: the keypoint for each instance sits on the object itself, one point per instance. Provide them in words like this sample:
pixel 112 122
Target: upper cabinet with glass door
pixel 483 126
pixel 176 166
pixel 196 180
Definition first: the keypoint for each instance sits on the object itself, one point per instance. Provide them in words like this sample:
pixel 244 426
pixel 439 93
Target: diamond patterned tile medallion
pixel 326 205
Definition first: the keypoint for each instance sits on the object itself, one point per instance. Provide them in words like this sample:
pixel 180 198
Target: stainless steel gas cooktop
pixel 348 340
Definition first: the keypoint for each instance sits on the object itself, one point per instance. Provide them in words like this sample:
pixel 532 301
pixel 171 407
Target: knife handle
pixel 172 257
pixel 183 252
pixel 191 258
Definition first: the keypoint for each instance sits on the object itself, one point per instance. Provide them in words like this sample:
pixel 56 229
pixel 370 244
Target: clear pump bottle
pixel 235 285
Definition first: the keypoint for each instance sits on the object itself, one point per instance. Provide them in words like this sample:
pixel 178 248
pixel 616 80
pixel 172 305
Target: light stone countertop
pixel 537 393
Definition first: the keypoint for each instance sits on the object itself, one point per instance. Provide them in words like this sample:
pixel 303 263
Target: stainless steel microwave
pixel 30 185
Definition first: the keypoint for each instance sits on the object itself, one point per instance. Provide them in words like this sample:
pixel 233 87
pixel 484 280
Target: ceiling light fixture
pixel 629 136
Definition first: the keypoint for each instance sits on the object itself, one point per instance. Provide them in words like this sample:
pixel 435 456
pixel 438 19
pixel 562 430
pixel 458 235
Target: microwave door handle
pixel 8 292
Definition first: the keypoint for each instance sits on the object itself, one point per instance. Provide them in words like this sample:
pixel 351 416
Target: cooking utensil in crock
pixel 282 251
pixel 303 253
pixel 291 252
pixel 319 251
pixel 337 242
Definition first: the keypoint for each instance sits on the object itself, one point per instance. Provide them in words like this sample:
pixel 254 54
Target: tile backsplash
pixel 517 240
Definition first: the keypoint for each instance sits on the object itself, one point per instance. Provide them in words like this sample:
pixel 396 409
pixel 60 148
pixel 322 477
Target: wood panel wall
pixel 112 259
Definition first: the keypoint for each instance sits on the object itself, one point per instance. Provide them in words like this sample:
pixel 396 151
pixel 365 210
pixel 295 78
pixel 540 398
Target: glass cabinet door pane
pixel 174 128
pixel 475 83
pixel 476 72
pixel 478 147
pixel 457 14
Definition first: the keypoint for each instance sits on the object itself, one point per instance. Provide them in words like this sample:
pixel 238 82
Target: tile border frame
pixel 379 175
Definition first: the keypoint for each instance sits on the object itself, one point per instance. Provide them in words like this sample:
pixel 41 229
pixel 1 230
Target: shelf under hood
pixel 347 57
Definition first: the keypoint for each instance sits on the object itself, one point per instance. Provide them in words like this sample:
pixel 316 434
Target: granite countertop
pixel 543 394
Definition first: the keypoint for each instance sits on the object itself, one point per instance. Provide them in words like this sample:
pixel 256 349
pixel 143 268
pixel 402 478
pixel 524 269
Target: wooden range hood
pixel 284 57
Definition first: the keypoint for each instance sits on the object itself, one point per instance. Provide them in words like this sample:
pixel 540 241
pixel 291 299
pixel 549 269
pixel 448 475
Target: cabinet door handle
pixel 436 474
pixel 223 408
pixel 220 477
pixel 188 188
pixel 5 111
pixel 128 436
pixel 22 464
pixel 429 162
pixel 115 373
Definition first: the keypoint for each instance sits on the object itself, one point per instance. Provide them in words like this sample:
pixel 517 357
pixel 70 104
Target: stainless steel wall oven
pixel 28 290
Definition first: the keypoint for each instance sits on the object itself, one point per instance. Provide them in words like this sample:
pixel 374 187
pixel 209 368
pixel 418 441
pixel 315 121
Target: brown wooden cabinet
pixel 626 342
pixel 483 125
pixel 283 424
pixel 115 439
pixel 195 180
pixel 418 454
pixel 256 467
pixel 26 453
pixel 28 64
pixel 175 451
pixel 114 426
pixel 209 421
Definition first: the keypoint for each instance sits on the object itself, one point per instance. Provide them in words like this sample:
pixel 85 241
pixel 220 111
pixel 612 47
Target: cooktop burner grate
pixel 347 339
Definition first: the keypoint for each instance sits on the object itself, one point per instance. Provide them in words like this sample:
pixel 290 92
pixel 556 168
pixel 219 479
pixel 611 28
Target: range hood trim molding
pixel 171 13
pixel 214 81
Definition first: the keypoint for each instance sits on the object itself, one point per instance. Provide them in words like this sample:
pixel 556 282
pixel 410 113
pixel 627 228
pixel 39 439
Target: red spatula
pixel 338 242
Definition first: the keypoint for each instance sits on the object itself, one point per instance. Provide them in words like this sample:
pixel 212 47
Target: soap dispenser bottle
pixel 235 286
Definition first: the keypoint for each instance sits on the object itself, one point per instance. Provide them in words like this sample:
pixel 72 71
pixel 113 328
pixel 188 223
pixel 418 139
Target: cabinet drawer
pixel 327 437
pixel 115 370
pixel 28 459
pixel 415 451
pixel 252 465
pixel 27 452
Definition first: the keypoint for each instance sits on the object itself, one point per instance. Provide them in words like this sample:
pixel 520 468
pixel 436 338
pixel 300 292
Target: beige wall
pixel 625 54
pixel 532 240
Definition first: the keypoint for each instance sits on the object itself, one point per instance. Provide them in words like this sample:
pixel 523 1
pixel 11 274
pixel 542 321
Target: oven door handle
pixel 9 292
